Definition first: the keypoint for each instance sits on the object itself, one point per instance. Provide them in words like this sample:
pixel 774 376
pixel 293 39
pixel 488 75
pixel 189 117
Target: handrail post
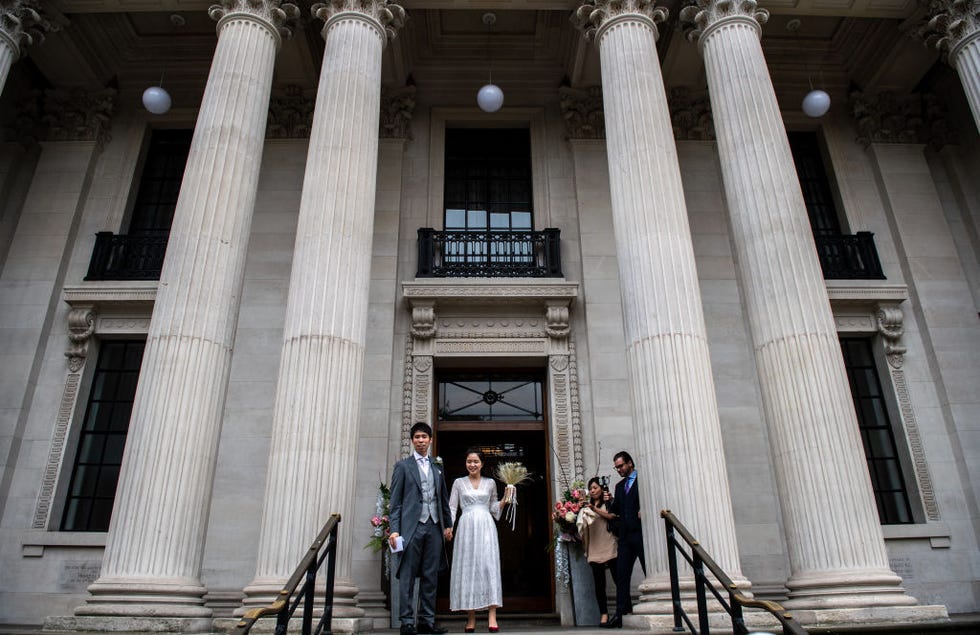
pixel 675 590
pixel 331 567
pixel 738 620
pixel 309 596
pixel 699 582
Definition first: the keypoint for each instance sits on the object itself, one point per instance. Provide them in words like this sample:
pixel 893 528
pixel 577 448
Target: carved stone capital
pixel 704 16
pixel 272 14
pixel 81 326
pixel 581 109
pixel 593 17
pixel 890 324
pixel 397 108
pixel 951 25
pixel 423 322
pixel 387 16
pixel 690 115
pixel 556 322
pixel 889 118
pixel 290 114
pixel 79 115
pixel 22 23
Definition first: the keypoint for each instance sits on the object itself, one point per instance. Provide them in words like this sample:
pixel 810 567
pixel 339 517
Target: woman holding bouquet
pixel 475 582
pixel 599 543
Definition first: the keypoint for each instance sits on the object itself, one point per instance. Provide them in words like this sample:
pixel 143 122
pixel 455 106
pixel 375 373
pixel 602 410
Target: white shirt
pixel 423 462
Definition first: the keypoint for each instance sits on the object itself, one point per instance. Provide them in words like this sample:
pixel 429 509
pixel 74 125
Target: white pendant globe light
pixel 489 98
pixel 816 103
pixel 156 100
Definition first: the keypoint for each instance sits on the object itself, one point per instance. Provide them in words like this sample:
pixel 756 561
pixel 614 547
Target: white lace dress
pixel 475 582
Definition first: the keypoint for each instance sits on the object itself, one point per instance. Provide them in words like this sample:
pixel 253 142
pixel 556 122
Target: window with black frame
pixel 491 397
pixel 877 434
pixel 92 487
pixel 488 204
pixel 163 172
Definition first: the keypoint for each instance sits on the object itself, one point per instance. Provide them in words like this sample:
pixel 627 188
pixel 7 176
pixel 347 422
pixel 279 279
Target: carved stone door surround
pixel 504 318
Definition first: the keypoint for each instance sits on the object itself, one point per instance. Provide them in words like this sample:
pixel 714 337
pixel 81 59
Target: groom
pixel 419 514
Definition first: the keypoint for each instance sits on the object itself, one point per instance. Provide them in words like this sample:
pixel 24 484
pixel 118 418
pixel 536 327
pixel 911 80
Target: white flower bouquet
pixel 512 474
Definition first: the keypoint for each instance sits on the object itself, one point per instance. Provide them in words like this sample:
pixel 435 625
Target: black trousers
pixel 421 560
pixel 629 549
pixel 599 577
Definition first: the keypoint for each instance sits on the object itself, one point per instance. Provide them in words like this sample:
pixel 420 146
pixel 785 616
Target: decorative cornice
pixel 581 109
pixel 703 16
pixel 951 25
pixel 390 16
pixel 690 115
pixel 397 108
pixel 22 23
pixel 272 13
pixel 594 16
pixel 79 115
pixel 496 293
pixel 889 118
pixel 290 114
pixel 102 297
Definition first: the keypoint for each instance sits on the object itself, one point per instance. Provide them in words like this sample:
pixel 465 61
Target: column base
pixel 127 624
pixel 263 592
pixel 133 599
pixel 655 595
pixel 875 615
pixel 857 590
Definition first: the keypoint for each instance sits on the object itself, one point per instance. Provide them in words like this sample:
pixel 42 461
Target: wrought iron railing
pixel 489 254
pixel 735 601
pixel 849 257
pixel 127 257
pixel 288 600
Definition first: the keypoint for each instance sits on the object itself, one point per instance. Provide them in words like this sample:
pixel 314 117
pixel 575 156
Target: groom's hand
pixel 391 539
pixel 448 533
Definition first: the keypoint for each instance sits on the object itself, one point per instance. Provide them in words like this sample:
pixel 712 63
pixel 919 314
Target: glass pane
pixel 520 220
pixel 455 219
pixel 91 448
pixel 476 219
pixel 107 481
pixel 499 220
pixel 114 446
pixel 101 514
pixel 85 480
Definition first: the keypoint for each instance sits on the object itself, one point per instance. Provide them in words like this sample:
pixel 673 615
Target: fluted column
pixel 954 29
pixel 679 451
pixel 837 552
pixel 317 413
pixel 156 538
pixel 21 23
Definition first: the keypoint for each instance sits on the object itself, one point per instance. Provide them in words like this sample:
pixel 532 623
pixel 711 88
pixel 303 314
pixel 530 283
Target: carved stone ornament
pixel 890 325
pixel 79 115
pixel 581 109
pixel 27 126
pixel 273 12
pixel 423 322
pixel 22 23
pixel 697 18
pixel 889 118
pixel 557 321
pixel 690 115
pixel 951 25
pixel 290 114
pixel 391 16
pixel 81 326
pixel 593 15
pixel 397 108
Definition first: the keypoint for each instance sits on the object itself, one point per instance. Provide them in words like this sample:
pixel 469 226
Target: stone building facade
pixel 648 247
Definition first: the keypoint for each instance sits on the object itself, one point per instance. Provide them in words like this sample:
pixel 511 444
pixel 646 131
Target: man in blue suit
pixel 419 514
pixel 626 507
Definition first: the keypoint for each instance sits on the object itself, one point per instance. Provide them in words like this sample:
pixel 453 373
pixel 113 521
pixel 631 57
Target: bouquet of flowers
pixel 379 536
pixel 565 512
pixel 512 474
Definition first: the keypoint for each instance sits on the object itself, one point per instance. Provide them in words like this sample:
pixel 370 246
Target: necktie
pixel 424 464
pixel 629 484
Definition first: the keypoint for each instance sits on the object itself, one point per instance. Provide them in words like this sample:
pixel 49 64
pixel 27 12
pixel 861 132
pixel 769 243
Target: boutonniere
pixel 438 461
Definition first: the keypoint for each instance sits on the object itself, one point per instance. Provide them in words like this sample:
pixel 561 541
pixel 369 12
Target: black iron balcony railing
pixel 489 254
pixel 125 257
pixel 849 257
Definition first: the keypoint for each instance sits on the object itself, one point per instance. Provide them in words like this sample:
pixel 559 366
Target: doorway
pixel 503 415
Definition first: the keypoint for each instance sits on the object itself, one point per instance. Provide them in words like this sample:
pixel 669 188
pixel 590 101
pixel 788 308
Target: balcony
pixel 849 257
pixel 125 257
pixel 489 254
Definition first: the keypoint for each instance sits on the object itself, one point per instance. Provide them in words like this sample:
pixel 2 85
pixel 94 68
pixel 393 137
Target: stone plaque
pixel 78 574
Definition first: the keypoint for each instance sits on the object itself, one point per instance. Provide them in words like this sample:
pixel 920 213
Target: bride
pixel 475 581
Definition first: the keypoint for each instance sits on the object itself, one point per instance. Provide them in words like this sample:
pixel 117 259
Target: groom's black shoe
pixel 616 621
pixel 407 629
pixel 431 629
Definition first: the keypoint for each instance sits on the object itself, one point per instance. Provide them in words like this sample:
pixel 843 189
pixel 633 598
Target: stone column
pixel 20 23
pixel 317 413
pixel 954 29
pixel 678 449
pixel 837 552
pixel 154 548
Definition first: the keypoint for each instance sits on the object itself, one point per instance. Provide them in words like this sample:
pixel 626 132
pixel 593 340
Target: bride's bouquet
pixel 512 474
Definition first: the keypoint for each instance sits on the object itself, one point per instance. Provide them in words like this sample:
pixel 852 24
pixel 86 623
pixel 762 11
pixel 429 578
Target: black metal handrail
pixel 286 603
pixel 489 254
pixel 127 257
pixel 849 256
pixel 698 558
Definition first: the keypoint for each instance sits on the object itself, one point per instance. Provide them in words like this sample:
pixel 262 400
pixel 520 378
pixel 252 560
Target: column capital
pixel 272 14
pixel 22 23
pixel 385 15
pixel 593 17
pixel 581 110
pixel 79 115
pixel 705 16
pixel 397 109
pixel 885 117
pixel 951 26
